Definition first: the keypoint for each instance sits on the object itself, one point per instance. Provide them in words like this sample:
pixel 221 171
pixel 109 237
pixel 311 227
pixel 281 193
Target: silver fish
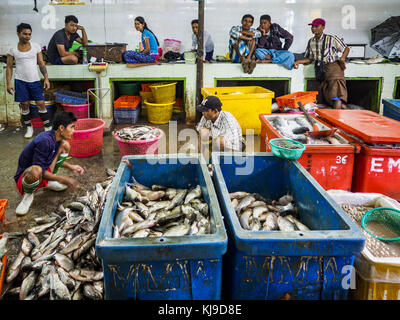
pixel 195 193
pixel 3 245
pixel 14 268
pixel 44 220
pixel 177 231
pixel 64 262
pixel 257 211
pixel 90 292
pixel 178 199
pixel 132 195
pixel 85 275
pixel 297 223
pixel 244 219
pixel 75 206
pixel 76 243
pixel 156 187
pixel 285 225
pixel 146 224
pixel 271 222
pixel 42 228
pixel 141 233
pixel 235 203
pixel 285 200
pixel 110 172
pixel 58 289
pixel 27 285
pixel 160 205
pixel 170 193
pixel 33 239
pixel 238 195
pixel 255 224
pixel 143 209
pixel 66 278
pixel 244 203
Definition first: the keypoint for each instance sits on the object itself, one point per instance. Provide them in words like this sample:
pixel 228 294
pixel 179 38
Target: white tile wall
pixel 112 20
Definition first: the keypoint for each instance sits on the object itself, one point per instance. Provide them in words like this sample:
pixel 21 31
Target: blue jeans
pixel 283 57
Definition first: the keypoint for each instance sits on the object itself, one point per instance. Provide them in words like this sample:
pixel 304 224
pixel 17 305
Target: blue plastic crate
pixel 187 267
pixel 126 115
pixel 269 264
pixel 70 97
pixel 391 108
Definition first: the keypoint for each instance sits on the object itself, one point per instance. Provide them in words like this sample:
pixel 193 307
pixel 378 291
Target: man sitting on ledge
pixel 62 40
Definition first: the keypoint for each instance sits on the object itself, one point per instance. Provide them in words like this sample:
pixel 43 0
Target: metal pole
pixel 200 51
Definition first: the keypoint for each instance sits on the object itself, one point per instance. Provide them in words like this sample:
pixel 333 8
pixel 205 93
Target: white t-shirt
pixel 26 63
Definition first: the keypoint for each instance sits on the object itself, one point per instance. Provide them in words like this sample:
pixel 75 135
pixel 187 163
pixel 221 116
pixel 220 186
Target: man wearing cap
pixel 324 51
pixel 218 127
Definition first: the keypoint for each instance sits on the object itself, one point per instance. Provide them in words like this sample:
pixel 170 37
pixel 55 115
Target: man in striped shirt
pixel 219 128
pixel 333 86
pixel 242 43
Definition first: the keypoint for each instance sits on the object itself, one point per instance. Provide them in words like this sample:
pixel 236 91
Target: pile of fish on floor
pixel 135 133
pixel 64 266
pixel 161 211
pixel 288 126
pixel 256 213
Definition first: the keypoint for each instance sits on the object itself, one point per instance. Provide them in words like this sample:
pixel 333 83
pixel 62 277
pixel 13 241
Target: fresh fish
pixel 84 248
pixel 85 275
pixel 64 262
pixel 297 223
pixel 161 205
pixel 132 195
pixel 170 193
pixel 169 218
pixel 58 289
pixel 285 200
pixel 99 286
pixel 255 224
pixel 238 195
pixel 76 243
pixel 178 199
pixel 285 225
pixel 141 233
pixel 202 207
pixel 143 209
pixel 42 228
pixel 90 292
pixel 66 278
pixel 76 206
pixel 33 239
pixel 156 187
pixel 3 245
pixel 257 203
pixel 110 172
pixel 271 222
pixel 195 193
pixel 244 219
pixel 244 203
pixel 257 211
pixel 14 268
pixel 187 209
pixel 26 264
pixel 177 231
pixel 45 220
pixel 235 203
pixel 27 285
pixel 138 226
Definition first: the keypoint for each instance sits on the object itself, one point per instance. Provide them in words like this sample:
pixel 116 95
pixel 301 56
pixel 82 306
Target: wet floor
pixel 12 142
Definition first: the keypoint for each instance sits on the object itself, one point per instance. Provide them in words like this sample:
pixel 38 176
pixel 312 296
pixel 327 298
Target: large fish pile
pixel 161 211
pixel 286 125
pixel 256 213
pixel 135 133
pixel 63 266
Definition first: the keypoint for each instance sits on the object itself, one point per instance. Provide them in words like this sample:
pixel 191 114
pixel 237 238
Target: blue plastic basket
pixel 391 108
pixel 167 268
pixel 70 97
pixel 126 115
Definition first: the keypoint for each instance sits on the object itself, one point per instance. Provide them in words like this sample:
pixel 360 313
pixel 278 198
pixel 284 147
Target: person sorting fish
pixel 324 51
pixel 217 128
pixel 62 40
pixel 41 159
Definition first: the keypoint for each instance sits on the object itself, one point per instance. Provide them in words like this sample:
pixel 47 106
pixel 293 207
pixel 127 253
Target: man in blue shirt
pixel 42 157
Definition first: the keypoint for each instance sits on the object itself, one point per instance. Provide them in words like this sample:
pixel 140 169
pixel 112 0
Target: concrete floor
pixel 12 142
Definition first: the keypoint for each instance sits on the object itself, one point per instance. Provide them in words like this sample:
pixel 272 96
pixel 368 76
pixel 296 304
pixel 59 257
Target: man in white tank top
pixel 27 55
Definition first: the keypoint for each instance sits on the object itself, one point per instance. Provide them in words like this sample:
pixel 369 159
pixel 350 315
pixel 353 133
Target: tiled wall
pixel 112 20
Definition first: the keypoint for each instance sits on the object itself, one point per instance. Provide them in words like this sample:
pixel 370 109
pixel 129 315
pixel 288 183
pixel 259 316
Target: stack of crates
pixel 127 109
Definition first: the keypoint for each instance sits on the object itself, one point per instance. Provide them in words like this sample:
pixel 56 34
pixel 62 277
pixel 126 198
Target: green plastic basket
pixel 281 148
pixel 382 223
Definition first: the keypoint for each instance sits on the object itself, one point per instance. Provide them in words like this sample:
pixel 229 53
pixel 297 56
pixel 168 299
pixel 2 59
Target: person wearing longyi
pixel 40 160
pixel 324 50
pixel 62 40
pixel 27 86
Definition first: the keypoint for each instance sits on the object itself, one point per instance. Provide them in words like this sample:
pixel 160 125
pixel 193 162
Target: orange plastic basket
pixel 130 102
pixel 3 206
pixel 290 100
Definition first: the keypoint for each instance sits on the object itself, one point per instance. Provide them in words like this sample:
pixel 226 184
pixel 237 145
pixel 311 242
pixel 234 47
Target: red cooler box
pixel 330 165
pixel 377 167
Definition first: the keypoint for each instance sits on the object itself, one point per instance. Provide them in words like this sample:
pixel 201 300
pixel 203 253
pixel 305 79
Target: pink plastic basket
pixel 80 110
pixel 87 139
pixel 138 147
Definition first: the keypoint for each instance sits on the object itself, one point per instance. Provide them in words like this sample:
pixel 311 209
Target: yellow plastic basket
pixel 145 96
pixel 159 113
pixel 163 92
pixel 244 106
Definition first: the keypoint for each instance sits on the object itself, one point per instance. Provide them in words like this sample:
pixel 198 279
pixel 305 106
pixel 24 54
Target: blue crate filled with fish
pixel 162 236
pixel 288 239
pixel 391 108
